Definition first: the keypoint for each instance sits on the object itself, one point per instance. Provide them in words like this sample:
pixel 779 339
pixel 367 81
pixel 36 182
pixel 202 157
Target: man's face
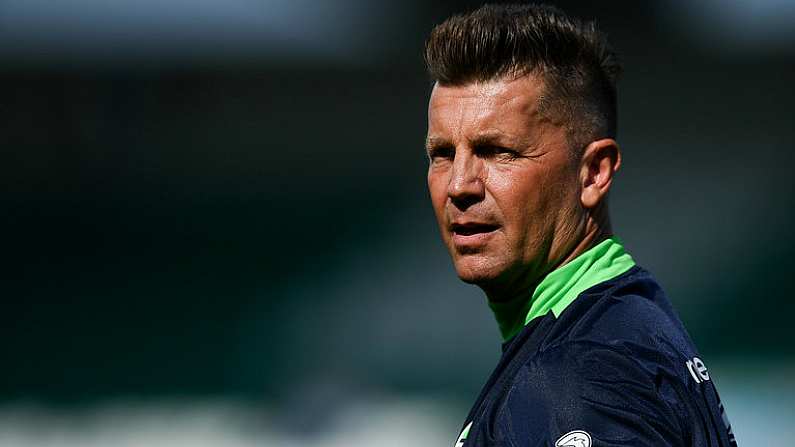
pixel 503 184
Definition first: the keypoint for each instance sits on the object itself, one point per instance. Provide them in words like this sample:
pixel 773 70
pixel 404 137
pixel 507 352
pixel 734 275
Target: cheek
pixel 530 201
pixel 518 196
pixel 437 188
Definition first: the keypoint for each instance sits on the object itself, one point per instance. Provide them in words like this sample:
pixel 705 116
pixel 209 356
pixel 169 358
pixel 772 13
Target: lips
pixel 472 235
pixel 472 228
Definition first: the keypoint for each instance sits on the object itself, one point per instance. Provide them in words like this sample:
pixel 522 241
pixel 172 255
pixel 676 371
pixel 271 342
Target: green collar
pixel 560 287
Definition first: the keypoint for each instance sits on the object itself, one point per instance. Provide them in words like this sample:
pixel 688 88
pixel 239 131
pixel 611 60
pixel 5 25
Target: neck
pixel 602 262
pixel 594 234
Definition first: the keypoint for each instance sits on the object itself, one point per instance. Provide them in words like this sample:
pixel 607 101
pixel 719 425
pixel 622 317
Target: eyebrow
pixel 434 142
pixel 492 138
pixel 486 138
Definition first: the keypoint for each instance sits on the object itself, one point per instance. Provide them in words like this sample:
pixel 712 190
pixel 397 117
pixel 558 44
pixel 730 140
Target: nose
pixel 466 185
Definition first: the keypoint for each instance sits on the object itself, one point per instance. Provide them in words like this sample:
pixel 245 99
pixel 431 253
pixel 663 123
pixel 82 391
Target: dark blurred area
pixel 228 198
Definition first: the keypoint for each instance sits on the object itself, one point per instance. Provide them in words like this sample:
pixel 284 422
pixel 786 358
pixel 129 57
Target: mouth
pixel 469 229
pixel 472 234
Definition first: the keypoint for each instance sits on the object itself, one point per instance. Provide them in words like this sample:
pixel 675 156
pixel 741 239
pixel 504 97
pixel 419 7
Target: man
pixel 521 141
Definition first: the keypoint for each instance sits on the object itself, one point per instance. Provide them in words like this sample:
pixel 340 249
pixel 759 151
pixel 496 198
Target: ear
pixel 600 161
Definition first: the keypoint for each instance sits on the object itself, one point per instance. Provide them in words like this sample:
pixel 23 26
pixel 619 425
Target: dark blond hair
pixel 578 67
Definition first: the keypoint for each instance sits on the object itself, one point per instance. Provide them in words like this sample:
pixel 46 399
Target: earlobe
pixel 600 161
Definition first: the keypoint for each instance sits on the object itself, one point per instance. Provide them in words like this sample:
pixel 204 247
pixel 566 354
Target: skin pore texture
pixel 512 198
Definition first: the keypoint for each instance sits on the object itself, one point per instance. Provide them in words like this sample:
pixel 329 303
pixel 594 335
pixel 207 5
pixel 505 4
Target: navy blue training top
pixel 615 367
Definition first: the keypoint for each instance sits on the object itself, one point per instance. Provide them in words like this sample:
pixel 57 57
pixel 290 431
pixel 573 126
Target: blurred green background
pixel 216 229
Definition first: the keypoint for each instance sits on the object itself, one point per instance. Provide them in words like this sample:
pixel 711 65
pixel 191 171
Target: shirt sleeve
pixel 588 394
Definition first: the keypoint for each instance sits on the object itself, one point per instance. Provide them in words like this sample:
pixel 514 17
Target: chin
pixel 477 270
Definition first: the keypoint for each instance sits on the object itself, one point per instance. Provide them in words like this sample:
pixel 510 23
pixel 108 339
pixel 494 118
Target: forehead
pixel 503 105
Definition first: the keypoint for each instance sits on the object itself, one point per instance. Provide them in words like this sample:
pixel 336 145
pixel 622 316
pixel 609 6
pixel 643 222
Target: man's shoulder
pixel 614 358
pixel 617 363
pixel 629 314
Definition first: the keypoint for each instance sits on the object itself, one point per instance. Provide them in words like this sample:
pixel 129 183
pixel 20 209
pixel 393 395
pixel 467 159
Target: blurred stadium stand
pixel 216 211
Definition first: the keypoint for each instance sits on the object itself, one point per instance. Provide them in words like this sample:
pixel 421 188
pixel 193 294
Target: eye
pixel 439 153
pixel 498 152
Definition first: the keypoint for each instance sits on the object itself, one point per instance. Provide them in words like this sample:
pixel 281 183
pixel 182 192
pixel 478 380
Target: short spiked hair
pixel 574 60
